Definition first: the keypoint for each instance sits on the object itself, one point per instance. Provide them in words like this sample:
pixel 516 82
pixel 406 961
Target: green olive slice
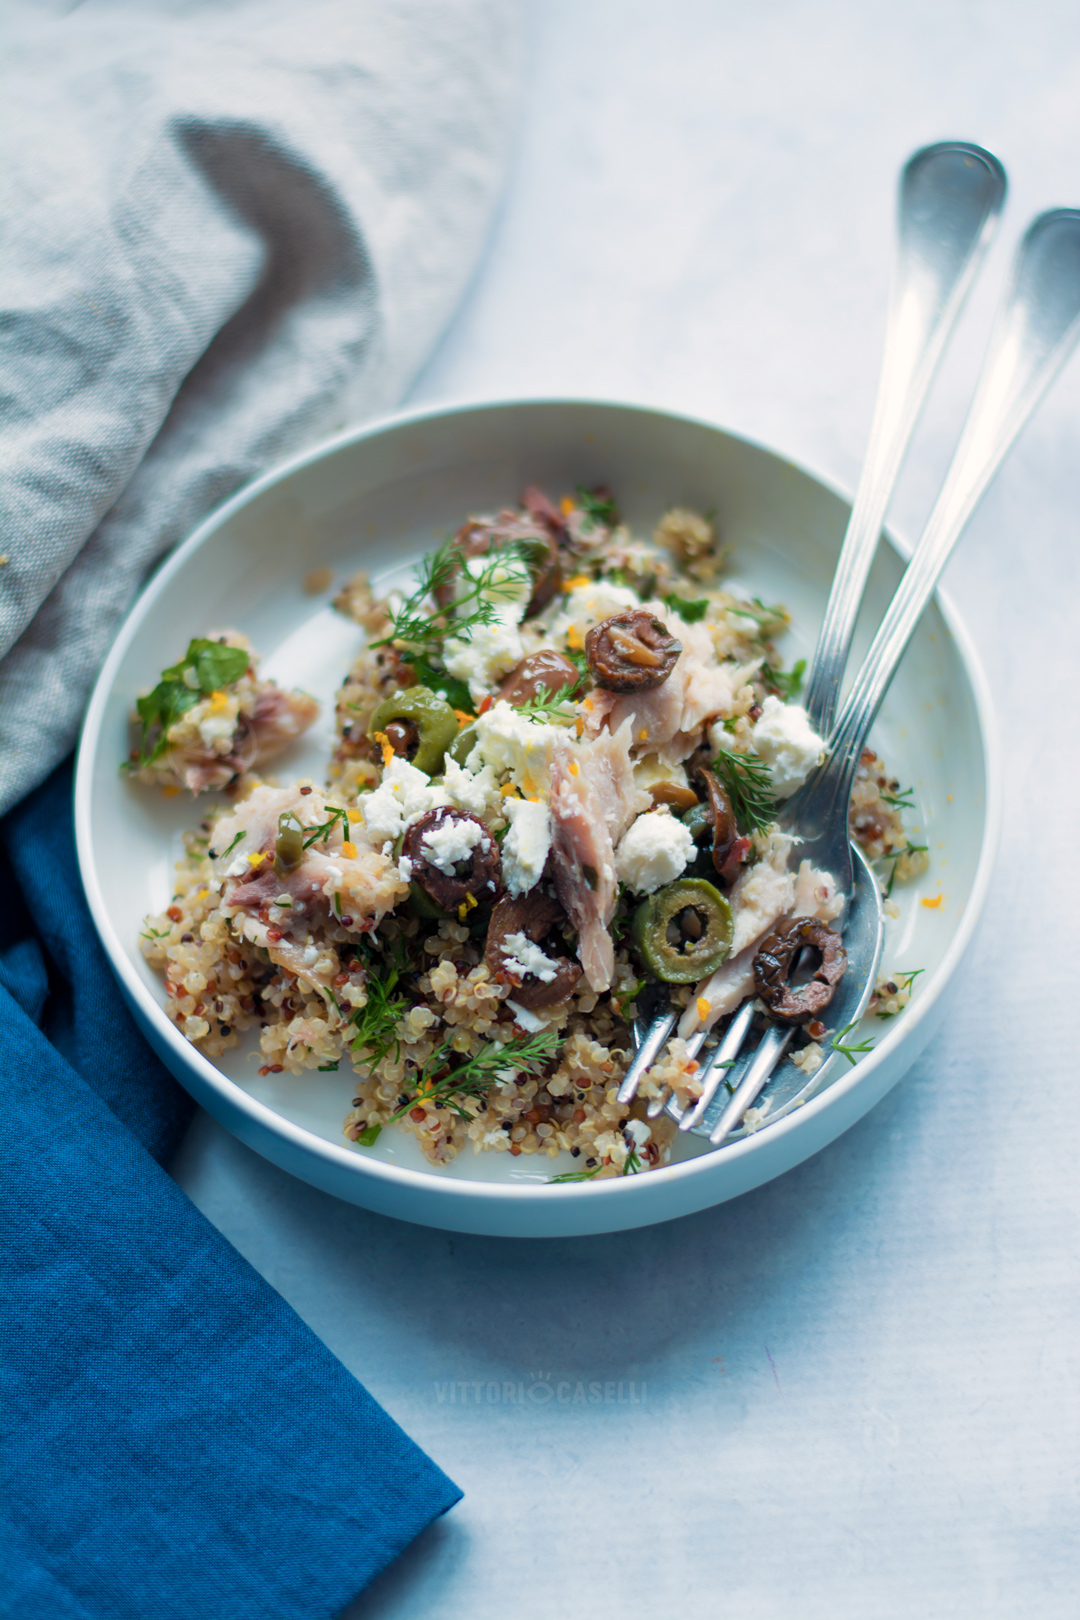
pixel 683 933
pixel 434 719
pixel 289 846
pixel 462 745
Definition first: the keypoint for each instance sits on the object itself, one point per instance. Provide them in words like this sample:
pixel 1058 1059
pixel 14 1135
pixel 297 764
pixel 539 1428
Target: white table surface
pixel 854 1389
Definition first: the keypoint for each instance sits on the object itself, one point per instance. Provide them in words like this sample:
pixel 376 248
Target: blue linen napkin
pixel 178 1443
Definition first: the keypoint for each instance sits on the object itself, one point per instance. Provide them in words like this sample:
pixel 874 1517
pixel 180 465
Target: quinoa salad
pixel 557 767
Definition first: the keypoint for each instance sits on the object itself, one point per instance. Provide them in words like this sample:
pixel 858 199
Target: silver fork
pixel 950 199
pixel 1036 330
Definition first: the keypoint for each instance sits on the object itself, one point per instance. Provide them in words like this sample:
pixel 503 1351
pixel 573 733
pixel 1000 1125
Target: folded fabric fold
pixel 179 1444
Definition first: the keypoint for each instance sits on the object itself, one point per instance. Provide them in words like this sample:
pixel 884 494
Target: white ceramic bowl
pixel 378 498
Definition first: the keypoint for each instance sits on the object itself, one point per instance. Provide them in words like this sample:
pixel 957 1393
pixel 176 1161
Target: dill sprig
pixel 554 705
pixel 575 1175
pixel 442 1081
pixel 850 1049
pixel 903 800
pixel 895 856
pixel 903 981
pixel 320 834
pixel 478 589
pixel 749 785
pixel 376 1022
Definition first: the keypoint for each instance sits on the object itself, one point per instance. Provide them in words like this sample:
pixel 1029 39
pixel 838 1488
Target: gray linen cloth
pixel 230 226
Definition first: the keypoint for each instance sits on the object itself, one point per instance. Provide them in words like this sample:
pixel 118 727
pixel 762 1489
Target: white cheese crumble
pixel 653 851
pixel 403 794
pixel 475 792
pixel 521 957
pixel 453 841
pixel 789 745
pixel 492 649
pixel 516 746
pixel 639 1131
pixel 587 604
pixel 217 728
pixel 526 846
pixel 527 1020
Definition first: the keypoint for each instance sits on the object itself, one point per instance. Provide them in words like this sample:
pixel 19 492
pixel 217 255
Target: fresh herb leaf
pixel 787 686
pixel 575 1175
pixel 376 1022
pixel 213 665
pixel 328 1068
pixel 150 932
pixel 628 997
pixel 769 620
pixel 908 849
pixel 552 706
pixel 442 1081
pixel 850 1049
pixel 598 506
pixel 369 1135
pixel 479 590
pixel 445 686
pixel 692 612
pixel 900 801
pixel 903 981
pixel 320 834
pixel 633 1162
pixel 749 785
pixel 233 845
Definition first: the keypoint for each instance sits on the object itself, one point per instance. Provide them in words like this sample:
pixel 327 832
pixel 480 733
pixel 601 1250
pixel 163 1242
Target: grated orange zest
pixel 384 743
pixel 348 849
pixel 703 1007
pixel 932 905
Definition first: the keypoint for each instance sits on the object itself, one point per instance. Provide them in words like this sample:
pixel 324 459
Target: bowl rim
pixel 264 1117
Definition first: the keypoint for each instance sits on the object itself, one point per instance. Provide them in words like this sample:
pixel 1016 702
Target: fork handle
pixel 1036 330
pixel 950 199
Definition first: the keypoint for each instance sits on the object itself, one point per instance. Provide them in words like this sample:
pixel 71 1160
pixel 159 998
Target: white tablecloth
pixel 854 1389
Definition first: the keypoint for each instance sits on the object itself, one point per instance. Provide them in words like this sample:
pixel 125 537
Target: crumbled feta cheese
pixel 217 728
pixel 528 1022
pixel 526 846
pixel 514 745
pixel 452 841
pixel 521 957
pixel 492 649
pixel 404 867
pixel 640 1132
pixel 653 851
pixel 789 745
pixel 475 792
pixel 403 794
pixel 587 604
pixel 239 865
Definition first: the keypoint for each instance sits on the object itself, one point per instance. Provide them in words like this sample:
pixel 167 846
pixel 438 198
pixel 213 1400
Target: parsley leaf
pixel 691 612
pixel 445 686
pixel 214 666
